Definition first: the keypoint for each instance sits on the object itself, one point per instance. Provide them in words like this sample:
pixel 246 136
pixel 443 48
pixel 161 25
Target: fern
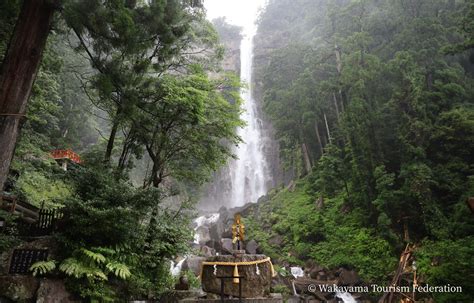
pixel 78 269
pixel 95 256
pixel 72 267
pixel 42 267
pixel 120 270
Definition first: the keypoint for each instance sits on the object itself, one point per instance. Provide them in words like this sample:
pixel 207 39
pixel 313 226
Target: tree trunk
pixel 110 142
pixel 327 128
pixel 19 70
pixel 307 160
pixel 338 59
pixel 335 105
pixel 320 144
pixel 156 174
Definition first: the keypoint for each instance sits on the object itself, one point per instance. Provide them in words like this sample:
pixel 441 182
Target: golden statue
pixel 238 231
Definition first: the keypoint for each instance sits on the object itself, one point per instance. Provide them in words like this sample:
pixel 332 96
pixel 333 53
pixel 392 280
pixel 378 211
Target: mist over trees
pixel 372 101
pixel 118 81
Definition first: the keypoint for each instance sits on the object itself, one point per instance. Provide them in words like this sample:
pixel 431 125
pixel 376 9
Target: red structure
pixel 60 154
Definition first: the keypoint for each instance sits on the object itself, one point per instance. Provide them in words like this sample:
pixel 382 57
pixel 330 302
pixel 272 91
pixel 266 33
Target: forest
pixel 370 105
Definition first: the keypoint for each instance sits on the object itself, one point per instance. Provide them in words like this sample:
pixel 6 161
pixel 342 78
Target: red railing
pixel 66 154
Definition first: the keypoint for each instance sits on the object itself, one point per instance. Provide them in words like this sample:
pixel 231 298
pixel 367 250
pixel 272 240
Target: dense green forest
pixel 124 84
pixel 372 104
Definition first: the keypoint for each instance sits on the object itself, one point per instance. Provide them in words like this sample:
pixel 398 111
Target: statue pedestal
pixel 238 253
pixel 255 272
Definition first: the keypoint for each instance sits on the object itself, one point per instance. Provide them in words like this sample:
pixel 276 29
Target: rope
pixel 236 265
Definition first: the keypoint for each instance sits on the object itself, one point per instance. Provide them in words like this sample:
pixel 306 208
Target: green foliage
pixel 115 229
pixel 322 235
pixel 41 187
pixel 386 118
pixel 448 262
pixel 281 289
pixel 9 232
pixel 42 267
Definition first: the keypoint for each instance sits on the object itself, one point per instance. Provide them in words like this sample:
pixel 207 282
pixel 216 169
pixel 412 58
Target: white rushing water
pixel 203 221
pixel 250 171
pixel 256 168
pixel 296 271
pixel 175 269
pixel 346 297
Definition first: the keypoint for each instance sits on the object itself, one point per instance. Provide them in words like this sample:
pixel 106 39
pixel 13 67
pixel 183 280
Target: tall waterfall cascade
pixel 249 176
pixel 250 170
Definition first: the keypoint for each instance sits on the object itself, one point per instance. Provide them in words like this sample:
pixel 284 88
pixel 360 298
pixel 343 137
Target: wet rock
pixel 223 214
pixel 227 246
pixel 54 291
pixel 251 247
pixel 316 271
pixel 203 234
pixel 216 230
pixel 18 288
pixel 214 244
pixel 263 199
pixel 207 251
pixel 348 277
pixel 183 283
pixel 193 264
pixel 253 285
pixel 293 299
pixel 227 233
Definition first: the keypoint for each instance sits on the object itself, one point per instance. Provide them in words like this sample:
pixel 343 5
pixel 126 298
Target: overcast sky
pixel 238 12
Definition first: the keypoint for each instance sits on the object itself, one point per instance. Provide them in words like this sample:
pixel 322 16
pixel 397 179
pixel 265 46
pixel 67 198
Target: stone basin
pixel 253 285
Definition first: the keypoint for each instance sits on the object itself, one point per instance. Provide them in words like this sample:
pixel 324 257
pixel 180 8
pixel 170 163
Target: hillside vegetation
pixel 372 101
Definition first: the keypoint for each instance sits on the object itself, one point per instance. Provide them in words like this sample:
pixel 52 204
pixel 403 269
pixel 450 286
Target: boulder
pixel 216 230
pixel 253 285
pixel 18 288
pixel 216 245
pixel 207 251
pixel 316 272
pixel 223 214
pixel 263 199
pixel 203 234
pixel 183 283
pixel 227 233
pixel 293 299
pixel 193 264
pixel 348 277
pixel 251 247
pixel 54 291
pixel 227 246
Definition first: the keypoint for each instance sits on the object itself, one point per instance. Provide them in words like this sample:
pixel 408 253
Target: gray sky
pixel 238 12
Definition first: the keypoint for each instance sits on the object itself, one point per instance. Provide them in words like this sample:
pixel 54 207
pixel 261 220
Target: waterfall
pixel 346 297
pixel 249 170
pixel 249 176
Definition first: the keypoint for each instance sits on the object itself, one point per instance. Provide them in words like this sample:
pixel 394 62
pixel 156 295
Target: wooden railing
pixel 39 222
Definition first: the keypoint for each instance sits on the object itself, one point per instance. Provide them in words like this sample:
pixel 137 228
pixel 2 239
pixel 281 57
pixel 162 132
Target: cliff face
pixel 230 37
